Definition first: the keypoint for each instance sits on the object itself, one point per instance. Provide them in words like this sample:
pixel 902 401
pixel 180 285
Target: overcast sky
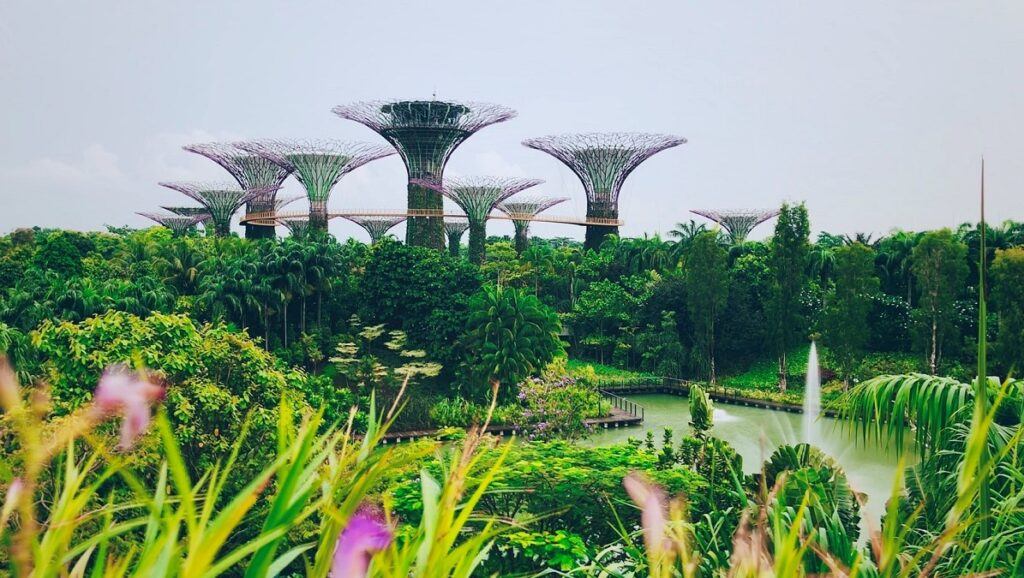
pixel 876 113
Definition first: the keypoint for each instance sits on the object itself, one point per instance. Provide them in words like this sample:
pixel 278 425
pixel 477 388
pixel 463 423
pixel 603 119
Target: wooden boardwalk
pixel 616 419
pixel 269 219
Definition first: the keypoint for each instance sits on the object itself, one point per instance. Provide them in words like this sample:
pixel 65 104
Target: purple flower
pixel 129 393
pixel 365 535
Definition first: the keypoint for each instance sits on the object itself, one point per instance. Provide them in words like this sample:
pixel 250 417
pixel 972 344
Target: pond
pixel 755 433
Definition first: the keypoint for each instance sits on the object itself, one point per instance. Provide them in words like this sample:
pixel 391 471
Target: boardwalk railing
pixel 631 407
pixel 681 387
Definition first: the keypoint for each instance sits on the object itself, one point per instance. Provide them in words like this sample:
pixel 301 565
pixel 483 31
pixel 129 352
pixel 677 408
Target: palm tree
pixel 895 262
pixel 821 259
pixel 512 335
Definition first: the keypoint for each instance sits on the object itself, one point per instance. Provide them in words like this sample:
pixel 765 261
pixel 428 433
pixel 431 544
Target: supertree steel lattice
pixel 200 212
pixel 297 226
pixel 318 165
pixel 478 196
pixel 284 202
pixel 377 227
pixel 221 200
pixel 522 211
pixel 178 224
pixel 251 171
pixel 738 222
pixel 425 133
pixel 602 161
pixel 453 229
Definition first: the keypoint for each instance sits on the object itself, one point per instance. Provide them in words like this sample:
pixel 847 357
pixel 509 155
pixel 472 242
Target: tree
pixel 844 326
pixel 510 335
pixel 701 412
pixel 707 290
pixel 789 249
pixel 940 269
pixel 1008 298
pixel 421 291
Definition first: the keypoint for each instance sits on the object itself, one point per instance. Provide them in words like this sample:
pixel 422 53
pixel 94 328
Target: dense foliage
pixel 280 362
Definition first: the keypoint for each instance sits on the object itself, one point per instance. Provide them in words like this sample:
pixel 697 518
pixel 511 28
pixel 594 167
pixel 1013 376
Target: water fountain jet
pixel 812 398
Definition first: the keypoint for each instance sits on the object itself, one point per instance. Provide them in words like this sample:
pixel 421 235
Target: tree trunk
pixel 933 362
pixel 783 370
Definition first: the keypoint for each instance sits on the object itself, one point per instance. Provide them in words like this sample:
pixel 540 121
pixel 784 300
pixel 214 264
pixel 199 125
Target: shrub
pixel 217 378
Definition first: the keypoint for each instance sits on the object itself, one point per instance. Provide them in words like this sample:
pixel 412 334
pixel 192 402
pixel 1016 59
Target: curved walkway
pixel 681 387
pixel 269 219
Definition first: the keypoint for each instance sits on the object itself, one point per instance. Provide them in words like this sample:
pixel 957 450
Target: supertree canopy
pixel 454 228
pixel 297 226
pixel 221 200
pixel 425 133
pixel 178 224
pixel 478 196
pixel 251 171
pixel 522 211
pixel 602 161
pixel 318 165
pixel 738 222
pixel 200 212
pixel 377 227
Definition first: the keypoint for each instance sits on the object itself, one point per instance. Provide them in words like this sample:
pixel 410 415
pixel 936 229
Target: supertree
pixel 377 227
pixel 201 212
pixel 454 228
pixel 221 200
pixel 318 165
pixel 522 211
pixel 738 222
pixel 178 224
pixel 297 226
pixel 251 171
pixel 282 203
pixel 425 133
pixel 602 161
pixel 478 196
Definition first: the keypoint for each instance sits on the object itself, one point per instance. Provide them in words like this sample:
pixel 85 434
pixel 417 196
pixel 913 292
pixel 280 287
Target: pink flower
pixel 130 393
pixel 14 492
pixel 365 535
pixel 653 511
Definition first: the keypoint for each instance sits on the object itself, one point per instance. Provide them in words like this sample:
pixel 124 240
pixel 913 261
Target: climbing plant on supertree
pixel 454 228
pixel 425 133
pixel 478 196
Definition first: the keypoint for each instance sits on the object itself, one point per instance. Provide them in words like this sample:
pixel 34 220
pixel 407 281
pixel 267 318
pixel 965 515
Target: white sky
pixel 876 113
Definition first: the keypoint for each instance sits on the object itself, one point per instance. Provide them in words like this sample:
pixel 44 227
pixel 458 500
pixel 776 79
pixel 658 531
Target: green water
pixel 755 433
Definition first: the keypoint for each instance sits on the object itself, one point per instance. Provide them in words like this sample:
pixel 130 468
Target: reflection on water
pixel 755 433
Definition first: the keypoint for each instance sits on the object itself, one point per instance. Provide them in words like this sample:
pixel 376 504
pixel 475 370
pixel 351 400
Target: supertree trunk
pixel 477 242
pixel 318 216
pixel 425 231
pixel 222 229
pixel 522 235
pixel 454 239
pixel 596 234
